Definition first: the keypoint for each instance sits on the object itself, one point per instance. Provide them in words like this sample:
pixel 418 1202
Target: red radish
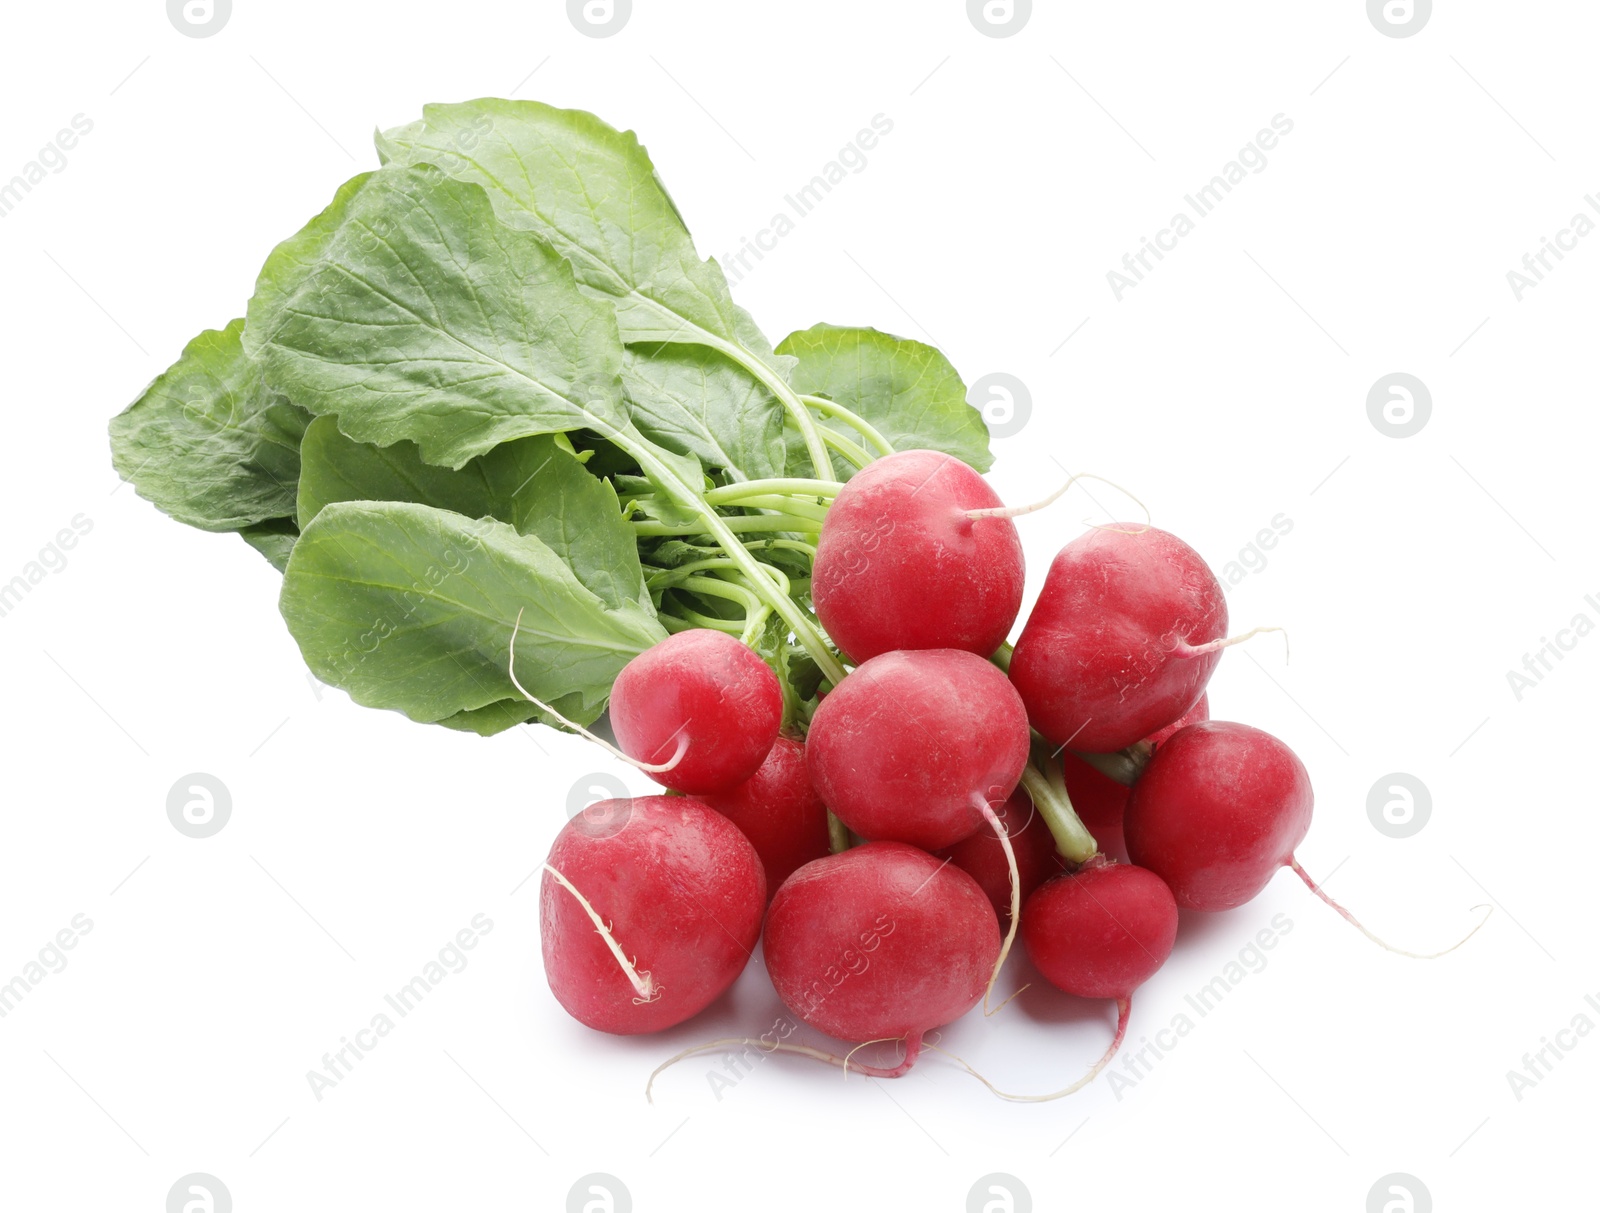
pixel 910 745
pixel 982 857
pixel 901 565
pixel 648 910
pixel 920 747
pixel 1100 932
pixel 706 695
pixel 1127 630
pixel 1218 811
pixel 779 812
pixel 882 942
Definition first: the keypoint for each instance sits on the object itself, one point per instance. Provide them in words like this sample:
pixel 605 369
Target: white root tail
pixel 1184 649
pixel 1016 511
pixel 1124 1007
pixel 1294 865
pixel 847 1063
pixel 644 985
pixel 999 827
pixel 649 768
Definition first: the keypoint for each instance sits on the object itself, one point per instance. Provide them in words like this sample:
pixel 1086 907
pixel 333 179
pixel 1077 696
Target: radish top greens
pixel 494 376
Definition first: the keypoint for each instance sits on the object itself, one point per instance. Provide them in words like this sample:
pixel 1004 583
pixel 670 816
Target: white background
pixel 1226 389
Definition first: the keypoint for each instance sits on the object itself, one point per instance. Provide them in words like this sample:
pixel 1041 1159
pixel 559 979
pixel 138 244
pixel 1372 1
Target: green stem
pixel 732 627
pixel 731 494
pixel 830 408
pixel 752 522
pixel 714 524
pixel 789 545
pixel 838 836
pixel 857 457
pixel 789 506
pixel 1055 806
pixel 774 383
pixel 1002 657
pixel 1125 766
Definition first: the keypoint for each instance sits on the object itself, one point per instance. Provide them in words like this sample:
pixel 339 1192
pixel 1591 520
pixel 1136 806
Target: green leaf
pixel 695 401
pixel 423 318
pixel 508 713
pixel 208 443
pixel 906 390
pixel 410 607
pixel 592 191
pixel 274 539
pixel 536 484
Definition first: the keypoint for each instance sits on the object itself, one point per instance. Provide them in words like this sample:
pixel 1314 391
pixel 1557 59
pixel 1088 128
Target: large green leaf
pixel 693 400
pixel 592 192
pixel 423 318
pixel 906 390
pixel 536 484
pixel 208 443
pixel 411 607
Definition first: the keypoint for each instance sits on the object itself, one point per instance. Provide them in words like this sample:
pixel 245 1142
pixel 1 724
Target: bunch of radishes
pixel 928 813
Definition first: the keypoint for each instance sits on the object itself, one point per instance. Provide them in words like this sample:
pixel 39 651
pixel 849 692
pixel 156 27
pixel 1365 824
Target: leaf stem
pixel 775 383
pixel 1049 796
pixel 731 494
pixel 831 408
pixel 752 522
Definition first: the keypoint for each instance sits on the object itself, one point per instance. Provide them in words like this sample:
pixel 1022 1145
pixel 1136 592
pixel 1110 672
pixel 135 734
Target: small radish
pixel 1218 811
pixel 984 859
pixel 921 747
pixel 882 942
pixel 1100 932
pixel 702 694
pixel 779 812
pixel 648 910
pixel 917 746
pixel 902 564
pixel 1127 630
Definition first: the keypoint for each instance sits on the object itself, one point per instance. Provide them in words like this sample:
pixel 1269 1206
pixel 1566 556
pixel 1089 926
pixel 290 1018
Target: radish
pixel 1218 811
pixel 1127 630
pixel 882 942
pixel 779 812
pixel 902 564
pixel 984 859
pixel 648 910
pixel 703 695
pixel 1100 932
pixel 920 747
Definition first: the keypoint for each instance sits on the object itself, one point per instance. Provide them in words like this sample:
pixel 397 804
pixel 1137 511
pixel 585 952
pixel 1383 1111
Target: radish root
pixel 999 827
pixel 1184 649
pixel 639 979
pixel 1294 864
pixel 913 1044
pixel 1124 1007
pixel 647 767
pixel 1016 511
